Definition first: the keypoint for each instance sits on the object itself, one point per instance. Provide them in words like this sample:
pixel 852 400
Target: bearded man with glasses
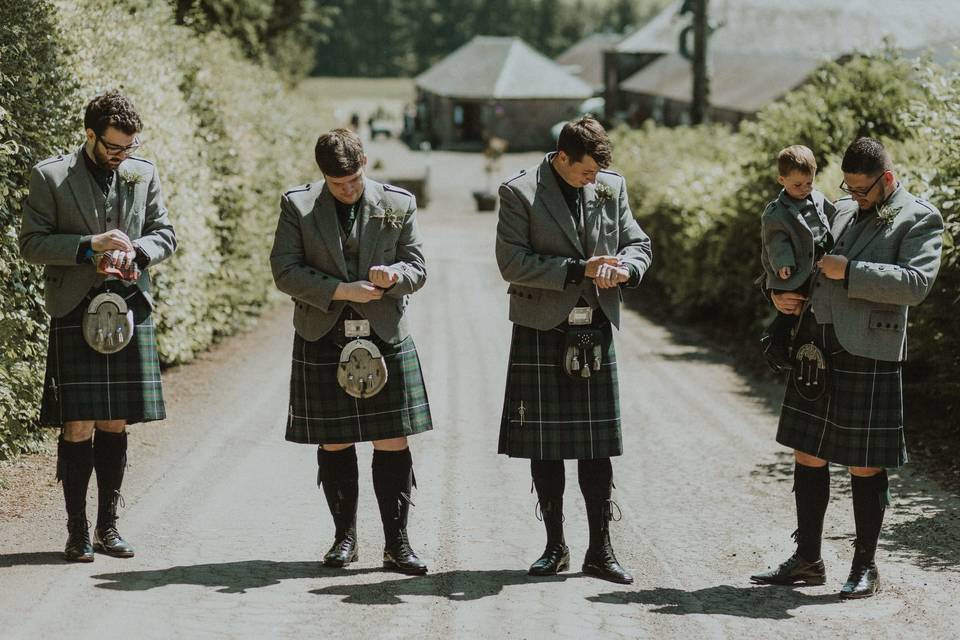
pixel 95 219
pixel 844 402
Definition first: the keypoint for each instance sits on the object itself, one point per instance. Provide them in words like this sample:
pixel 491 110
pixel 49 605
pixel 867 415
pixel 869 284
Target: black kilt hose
pixel 549 416
pixel 321 412
pixel 858 422
pixel 83 384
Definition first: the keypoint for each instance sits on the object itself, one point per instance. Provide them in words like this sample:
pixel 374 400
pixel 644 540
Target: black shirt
pixel 103 177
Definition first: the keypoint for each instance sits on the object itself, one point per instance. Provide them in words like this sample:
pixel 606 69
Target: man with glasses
pixel 843 402
pixel 95 219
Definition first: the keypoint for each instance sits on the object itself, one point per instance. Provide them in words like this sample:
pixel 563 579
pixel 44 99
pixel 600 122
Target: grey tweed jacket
pixel 60 212
pixel 788 240
pixel 536 238
pixel 308 262
pixel 893 265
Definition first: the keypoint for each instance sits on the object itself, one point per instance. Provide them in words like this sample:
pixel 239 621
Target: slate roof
pixel 501 68
pixel 585 58
pixel 740 81
pixel 812 28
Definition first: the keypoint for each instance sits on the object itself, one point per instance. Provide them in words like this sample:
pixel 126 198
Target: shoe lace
pixel 79 529
pixel 538 513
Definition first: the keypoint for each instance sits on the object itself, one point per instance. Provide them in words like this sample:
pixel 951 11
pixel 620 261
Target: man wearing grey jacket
pixel 349 253
pixel 843 402
pixel 566 242
pixel 96 220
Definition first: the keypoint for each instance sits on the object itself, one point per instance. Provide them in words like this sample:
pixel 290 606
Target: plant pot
pixel 486 200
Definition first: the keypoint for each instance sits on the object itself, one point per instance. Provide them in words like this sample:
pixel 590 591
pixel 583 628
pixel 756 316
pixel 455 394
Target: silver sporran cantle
pixel 362 371
pixel 108 323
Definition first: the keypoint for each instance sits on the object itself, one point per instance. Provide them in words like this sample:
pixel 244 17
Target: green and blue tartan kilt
pixel 549 416
pixel 858 421
pixel 83 384
pixel 321 412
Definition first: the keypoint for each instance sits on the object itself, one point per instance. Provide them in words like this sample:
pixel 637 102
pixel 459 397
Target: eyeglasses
pixel 116 149
pixel 860 193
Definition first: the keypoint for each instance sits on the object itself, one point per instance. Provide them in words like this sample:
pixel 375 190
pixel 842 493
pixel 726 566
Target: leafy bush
pixel 37 119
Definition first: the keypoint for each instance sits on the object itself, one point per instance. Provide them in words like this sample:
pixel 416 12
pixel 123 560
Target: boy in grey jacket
pixel 796 233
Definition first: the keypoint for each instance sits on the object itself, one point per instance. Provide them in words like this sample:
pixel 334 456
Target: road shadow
pixel 34 558
pixel 922 524
pixel 459 585
pixel 225 577
pixel 770 603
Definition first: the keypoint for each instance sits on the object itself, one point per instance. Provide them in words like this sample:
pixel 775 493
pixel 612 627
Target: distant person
pixel 567 242
pixel 796 233
pixel 95 219
pixel 355 122
pixel 843 401
pixel 349 252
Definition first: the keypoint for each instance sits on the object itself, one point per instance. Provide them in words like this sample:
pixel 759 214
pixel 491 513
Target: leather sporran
pixel 108 323
pixel 811 371
pixel 362 371
pixel 582 352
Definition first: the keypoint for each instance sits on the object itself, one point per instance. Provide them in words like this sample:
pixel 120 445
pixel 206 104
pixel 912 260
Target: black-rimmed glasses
pixel 116 149
pixel 860 193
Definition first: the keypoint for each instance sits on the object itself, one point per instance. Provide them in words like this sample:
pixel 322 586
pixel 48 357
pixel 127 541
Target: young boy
pixel 796 233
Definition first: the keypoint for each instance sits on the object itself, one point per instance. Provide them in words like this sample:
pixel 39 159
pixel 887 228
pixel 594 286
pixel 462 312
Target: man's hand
pixel 119 264
pixel 361 291
pixel 610 276
pixel 113 240
pixel 594 264
pixel 383 276
pixel 833 267
pixel 785 273
pixel 788 302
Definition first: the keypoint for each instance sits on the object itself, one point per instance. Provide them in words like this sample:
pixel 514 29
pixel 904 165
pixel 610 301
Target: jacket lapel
pixel 325 216
pixel 79 180
pixel 556 205
pixel 594 217
pixel 371 223
pixel 868 234
pixel 126 193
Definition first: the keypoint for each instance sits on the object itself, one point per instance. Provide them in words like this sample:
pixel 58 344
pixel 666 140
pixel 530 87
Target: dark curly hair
pixel 112 109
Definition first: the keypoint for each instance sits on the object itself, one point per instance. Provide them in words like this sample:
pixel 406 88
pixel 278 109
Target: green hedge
pixel 700 192
pixel 38 118
pixel 227 135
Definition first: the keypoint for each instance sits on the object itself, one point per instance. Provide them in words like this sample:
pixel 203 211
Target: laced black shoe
pixel 78 547
pixel 864 579
pixel 555 558
pixel 794 570
pixel 106 538
pixel 600 561
pixel 399 556
pixel 343 552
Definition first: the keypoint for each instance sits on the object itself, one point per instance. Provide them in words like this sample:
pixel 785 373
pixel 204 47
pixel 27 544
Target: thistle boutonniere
pixel 392 217
pixel 131 178
pixel 886 214
pixel 604 193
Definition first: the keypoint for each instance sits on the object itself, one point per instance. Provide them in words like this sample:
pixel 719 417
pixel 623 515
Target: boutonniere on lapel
pixel 131 178
pixel 886 214
pixel 392 217
pixel 603 193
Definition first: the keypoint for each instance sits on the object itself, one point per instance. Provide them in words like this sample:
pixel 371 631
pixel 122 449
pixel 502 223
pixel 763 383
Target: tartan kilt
pixel 321 412
pixel 858 422
pixel 83 384
pixel 549 416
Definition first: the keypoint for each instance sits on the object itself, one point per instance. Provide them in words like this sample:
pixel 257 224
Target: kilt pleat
pixel 321 412
pixel 83 384
pixel 549 416
pixel 859 420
